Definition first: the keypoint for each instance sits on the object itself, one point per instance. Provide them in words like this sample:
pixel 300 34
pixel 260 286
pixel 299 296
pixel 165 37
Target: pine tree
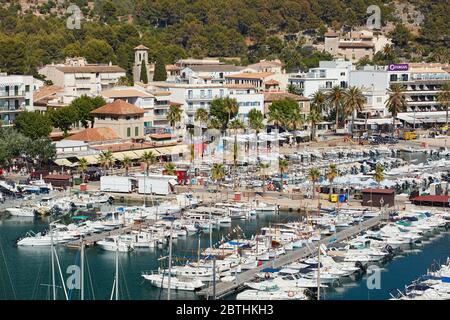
pixel 143 76
pixel 160 70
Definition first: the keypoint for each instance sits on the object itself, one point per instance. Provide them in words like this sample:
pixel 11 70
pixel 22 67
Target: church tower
pixel 140 56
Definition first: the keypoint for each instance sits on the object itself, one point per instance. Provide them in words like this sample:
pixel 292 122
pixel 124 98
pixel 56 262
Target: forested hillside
pixel 33 33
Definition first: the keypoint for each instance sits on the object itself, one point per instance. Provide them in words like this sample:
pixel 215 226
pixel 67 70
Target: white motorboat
pixel 161 280
pixel 274 294
pixel 21 211
pixel 114 244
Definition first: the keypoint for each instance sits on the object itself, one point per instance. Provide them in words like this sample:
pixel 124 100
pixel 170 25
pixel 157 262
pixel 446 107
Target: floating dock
pixel 225 288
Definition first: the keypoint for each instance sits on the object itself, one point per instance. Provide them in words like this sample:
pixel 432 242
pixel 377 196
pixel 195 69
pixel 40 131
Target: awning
pixel 89 159
pixel 64 162
pixel 121 155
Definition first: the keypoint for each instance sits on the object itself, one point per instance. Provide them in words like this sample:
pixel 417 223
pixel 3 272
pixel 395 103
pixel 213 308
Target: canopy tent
pixel 90 159
pixel 65 162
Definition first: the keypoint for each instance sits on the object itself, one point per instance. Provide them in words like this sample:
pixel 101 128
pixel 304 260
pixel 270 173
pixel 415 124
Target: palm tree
pixel 283 166
pixel 334 99
pixel 148 157
pixel 378 175
pixel 82 166
pixel 106 159
pixel 318 100
pixel 314 176
pixel 296 122
pixel 314 117
pixel 255 120
pixel 201 115
pixel 396 102
pixel 331 175
pixel 169 169
pixel 235 125
pixel 263 171
pixel 353 102
pixel 174 116
pixel 443 98
pixel 217 173
pixel 126 163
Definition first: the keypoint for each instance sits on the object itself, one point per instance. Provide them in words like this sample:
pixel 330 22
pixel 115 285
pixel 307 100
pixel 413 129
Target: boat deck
pixel 225 288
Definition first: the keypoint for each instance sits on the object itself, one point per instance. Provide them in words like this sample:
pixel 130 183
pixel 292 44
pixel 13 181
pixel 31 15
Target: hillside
pixel 248 29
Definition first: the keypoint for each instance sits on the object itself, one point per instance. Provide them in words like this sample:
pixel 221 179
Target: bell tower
pixel 140 56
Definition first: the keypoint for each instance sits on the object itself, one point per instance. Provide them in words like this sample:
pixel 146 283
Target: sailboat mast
pixel 318 274
pixel 53 262
pixel 116 287
pixel 170 260
pixel 82 270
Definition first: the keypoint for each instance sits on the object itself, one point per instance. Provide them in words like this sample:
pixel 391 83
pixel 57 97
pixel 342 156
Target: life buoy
pixel 290 294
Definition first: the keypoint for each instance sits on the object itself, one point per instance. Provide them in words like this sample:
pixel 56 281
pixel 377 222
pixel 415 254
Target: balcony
pixel 200 97
pixel 11 109
pixel 12 95
pixel 160 116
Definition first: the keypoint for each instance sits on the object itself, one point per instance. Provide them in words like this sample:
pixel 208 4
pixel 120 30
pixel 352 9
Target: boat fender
pixel 290 294
pixel 267 275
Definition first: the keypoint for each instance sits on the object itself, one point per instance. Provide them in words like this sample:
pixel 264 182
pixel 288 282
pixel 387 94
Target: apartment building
pixel 191 97
pixel 422 82
pixel 213 73
pixel 262 81
pixel 77 78
pixel 354 45
pixel 16 96
pixel 323 78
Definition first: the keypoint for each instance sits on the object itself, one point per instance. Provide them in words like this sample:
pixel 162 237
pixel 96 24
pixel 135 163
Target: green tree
pixel 318 101
pixel 143 76
pixel 63 118
pixel 34 125
pixel 106 160
pixel 314 176
pixel 443 98
pixel 331 174
pixel 84 105
pixel 353 102
pixel 283 166
pixel 235 125
pixel 126 164
pixel 43 150
pixel 13 56
pixel 82 167
pixel 281 111
pixel 334 100
pixel 169 169
pixel 98 51
pixel 378 175
pixel 201 115
pixel 401 35
pixel 148 157
pixel 255 120
pixel 217 173
pixel 160 69
pixel 396 102
pixel 174 116
pixel 314 117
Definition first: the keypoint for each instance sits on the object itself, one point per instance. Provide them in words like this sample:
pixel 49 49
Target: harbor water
pixel 25 272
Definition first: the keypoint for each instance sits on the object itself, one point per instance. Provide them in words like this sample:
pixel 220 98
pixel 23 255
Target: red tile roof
pixel 383 191
pixel 430 198
pixel 95 134
pixel 270 96
pixel 118 107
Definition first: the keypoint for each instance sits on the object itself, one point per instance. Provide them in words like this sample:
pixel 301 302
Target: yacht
pixel 161 280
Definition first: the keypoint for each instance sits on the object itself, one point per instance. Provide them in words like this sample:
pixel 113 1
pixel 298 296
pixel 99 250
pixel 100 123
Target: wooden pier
pixel 225 288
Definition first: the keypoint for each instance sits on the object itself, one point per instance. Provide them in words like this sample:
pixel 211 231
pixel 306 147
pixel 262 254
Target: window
pixel 128 132
pixel 393 77
pixel 136 131
pixel 379 99
pixel 190 94
pixel 27 102
pixel 27 88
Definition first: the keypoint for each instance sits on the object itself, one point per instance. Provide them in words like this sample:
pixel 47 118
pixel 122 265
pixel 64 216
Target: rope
pixel 7 270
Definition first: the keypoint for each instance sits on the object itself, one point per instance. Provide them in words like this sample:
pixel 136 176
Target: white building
pixel 326 76
pixel 208 73
pixel 191 97
pixel 78 78
pixel 16 95
pixel 374 83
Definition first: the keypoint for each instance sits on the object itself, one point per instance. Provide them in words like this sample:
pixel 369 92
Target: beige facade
pixel 125 119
